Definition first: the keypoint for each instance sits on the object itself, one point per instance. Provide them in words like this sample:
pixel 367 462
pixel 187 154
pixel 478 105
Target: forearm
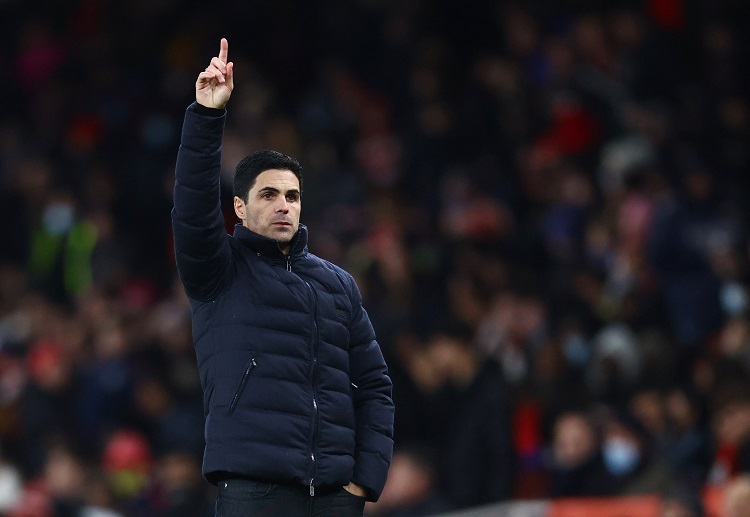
pixel 374 413
pixel 197 187
pixel 373 401
pixel 201 248
pixel 372 458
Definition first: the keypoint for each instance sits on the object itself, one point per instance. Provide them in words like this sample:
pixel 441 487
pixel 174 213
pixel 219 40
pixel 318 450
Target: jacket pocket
pixel 241 386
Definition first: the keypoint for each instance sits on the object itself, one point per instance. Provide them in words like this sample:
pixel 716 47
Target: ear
pixel 239 208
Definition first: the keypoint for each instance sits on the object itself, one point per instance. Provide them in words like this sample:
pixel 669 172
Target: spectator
pixel 689 235
pixel 46 403
pixel 731 432
pixel 176 489
pixel 575 465
pixel 737 498
pixel 688 448
pixel 99 500
pixel 472 424
pixel 411 489
pixel 630 465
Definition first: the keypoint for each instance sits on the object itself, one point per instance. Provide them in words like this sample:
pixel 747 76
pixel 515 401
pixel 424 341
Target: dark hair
pixel 253 164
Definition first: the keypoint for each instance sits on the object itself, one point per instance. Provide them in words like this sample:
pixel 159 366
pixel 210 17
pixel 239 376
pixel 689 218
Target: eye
pixel 267 195
pixel 292 197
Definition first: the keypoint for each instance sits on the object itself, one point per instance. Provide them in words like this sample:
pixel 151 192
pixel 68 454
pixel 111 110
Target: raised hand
pixel 214 85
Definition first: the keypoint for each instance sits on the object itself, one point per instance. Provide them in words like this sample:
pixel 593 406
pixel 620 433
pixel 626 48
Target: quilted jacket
pixel 295 386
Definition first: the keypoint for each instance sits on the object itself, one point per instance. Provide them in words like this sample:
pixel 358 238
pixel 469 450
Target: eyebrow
pixel 275 190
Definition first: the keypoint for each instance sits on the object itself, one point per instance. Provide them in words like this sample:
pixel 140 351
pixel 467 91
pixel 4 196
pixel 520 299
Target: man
pixel 299 415
pixel 575 467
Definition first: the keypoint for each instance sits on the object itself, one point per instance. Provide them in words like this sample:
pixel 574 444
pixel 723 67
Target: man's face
pixel 574 441
pixel 273 206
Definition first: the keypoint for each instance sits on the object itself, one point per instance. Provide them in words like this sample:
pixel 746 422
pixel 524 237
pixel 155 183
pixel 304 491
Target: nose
pixel 283 205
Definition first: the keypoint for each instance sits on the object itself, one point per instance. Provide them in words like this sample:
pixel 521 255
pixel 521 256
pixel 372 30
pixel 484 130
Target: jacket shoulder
pixel 343 276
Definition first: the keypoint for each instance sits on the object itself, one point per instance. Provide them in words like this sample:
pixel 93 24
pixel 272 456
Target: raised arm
pixel 202 251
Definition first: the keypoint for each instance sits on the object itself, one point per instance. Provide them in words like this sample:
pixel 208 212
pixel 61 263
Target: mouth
pixel 281 224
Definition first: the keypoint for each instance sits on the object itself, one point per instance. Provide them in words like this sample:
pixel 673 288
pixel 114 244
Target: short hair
pixel 250 167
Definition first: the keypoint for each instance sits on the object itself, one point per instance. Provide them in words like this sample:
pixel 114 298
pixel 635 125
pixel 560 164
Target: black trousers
pixel 245 498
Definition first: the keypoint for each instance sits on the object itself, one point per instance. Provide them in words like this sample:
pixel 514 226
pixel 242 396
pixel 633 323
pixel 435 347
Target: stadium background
pixel 545 204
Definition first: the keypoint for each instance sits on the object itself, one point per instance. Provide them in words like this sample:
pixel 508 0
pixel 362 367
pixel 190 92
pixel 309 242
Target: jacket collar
pixel 269 247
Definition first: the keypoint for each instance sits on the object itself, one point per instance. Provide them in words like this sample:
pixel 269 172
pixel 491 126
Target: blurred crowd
pixel 545 204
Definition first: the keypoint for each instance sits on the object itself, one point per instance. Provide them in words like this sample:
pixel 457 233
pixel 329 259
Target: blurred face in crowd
pixel 574 440
pixel 737 498
pixel 732 422
pixel 273 206
pixel 409 481
pixel 681 412
pixel 621 449
pixel 648 407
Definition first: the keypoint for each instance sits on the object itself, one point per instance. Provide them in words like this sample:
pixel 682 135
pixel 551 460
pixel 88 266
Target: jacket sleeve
pixel 373 403
pixel 202 249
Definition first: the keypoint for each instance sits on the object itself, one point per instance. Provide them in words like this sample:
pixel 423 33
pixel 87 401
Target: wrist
pixel 207 111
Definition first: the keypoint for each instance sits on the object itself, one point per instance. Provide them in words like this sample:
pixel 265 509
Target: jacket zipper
pixel 241 386
pixel 288 256
pixel 313 378
pixel 313 369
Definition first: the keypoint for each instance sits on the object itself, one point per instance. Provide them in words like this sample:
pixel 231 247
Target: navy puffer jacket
pixel 295 386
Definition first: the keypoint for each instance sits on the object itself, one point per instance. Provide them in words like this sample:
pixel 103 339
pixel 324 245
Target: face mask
pixel 733 298
pixel 620 456
pixel 576 350
pixel 58 218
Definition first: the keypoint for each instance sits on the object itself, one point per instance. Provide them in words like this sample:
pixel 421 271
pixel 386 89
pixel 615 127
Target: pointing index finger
pixel 224 50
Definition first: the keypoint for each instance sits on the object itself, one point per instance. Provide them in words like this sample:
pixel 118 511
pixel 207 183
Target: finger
pixel 220 65
pixel 223 50
pixel 206 77
pixel 218 74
